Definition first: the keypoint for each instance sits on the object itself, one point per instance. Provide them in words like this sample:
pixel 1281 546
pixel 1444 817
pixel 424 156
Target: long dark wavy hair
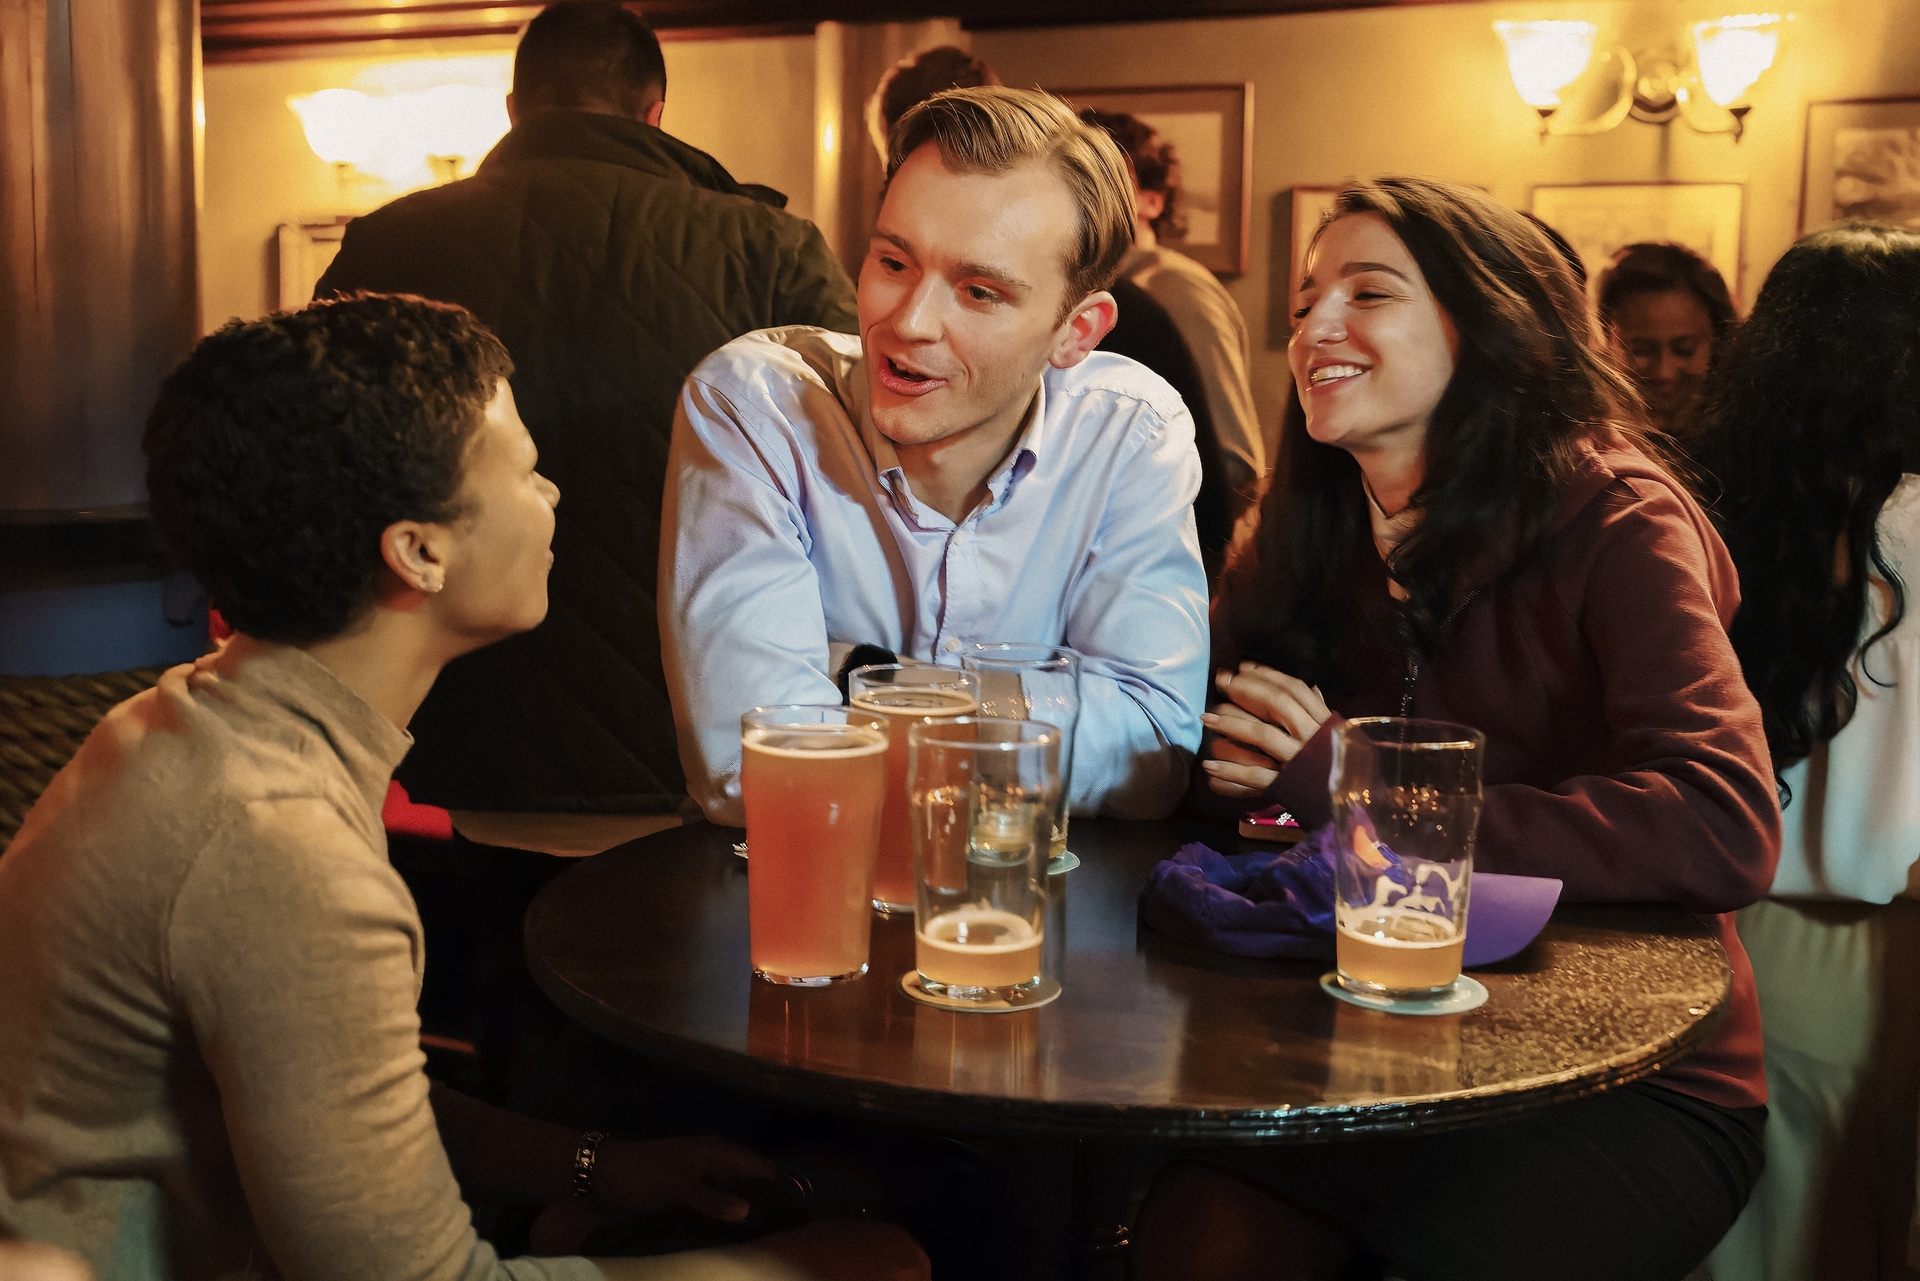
pixel 1812 414
pixel 1530 384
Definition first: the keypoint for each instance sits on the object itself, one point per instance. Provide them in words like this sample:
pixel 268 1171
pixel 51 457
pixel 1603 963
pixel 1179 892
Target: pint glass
pixel 1034 682
pixel 1406 802
pixel 813 779
pixel 983 795
pixel 906 694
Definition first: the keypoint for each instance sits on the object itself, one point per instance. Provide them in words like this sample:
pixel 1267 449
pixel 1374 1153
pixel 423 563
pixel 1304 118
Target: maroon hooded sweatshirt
pixel 1624 753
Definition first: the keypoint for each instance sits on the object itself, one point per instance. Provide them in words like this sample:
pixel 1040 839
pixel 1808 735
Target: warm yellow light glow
pixel 408 122
pixel 453 120
pixel 343 126
pixel 1546 57
pixel 1734 52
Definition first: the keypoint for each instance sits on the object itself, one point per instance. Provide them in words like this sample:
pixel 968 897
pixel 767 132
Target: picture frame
pixel 1211 129
pixel 302 253
pixel 1862 161
pixel 1598 218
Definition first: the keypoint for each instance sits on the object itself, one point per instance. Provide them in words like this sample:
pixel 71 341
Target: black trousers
pixel 1636 1184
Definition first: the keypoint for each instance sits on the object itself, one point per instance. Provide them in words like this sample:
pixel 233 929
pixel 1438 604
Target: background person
pixel 611 258
pixel 913 80
pixel 1459 528
pixel 207 967
pixel 1810 431
pixel 1664 308
pixel 970 469
pixel 1208 318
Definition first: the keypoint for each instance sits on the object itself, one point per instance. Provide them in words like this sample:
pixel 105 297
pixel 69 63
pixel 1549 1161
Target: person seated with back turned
pixel 610 258
pixel 1466 525
pixel 1206 314
pixel 970 469
pixel 208 970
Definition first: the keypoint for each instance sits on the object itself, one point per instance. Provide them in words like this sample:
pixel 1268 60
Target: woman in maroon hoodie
pixel 1463 525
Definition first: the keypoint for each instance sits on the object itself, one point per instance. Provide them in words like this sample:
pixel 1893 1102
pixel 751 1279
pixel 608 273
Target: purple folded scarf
pixel 1280 904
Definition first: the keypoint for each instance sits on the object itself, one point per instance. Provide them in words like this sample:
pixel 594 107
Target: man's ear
pixel 1149 205
pixel 513 112
pixel 654 113
pixel 417 553
pixel 1091 321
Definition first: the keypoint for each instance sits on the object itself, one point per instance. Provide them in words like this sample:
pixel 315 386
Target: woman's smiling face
pixel 1372 350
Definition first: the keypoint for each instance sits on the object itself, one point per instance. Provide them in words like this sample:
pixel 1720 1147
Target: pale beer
pixel 904 707
pixel 978 947
pixel 1397 951
pixel 813 796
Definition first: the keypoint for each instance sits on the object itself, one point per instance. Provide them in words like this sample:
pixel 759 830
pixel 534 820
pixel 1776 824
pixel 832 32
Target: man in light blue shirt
pixel 968 469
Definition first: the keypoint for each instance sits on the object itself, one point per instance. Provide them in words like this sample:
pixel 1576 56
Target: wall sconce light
pixel 403 138
pixel 1707 92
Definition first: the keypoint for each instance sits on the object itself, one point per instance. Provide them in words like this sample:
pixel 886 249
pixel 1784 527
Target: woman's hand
pixel 660 1174
pixel 1267 717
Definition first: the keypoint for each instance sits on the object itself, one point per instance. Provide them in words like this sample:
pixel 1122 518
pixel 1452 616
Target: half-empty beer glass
pixel 1034 682
pixel 1406 802
pixel 983 796
pixel 906 694
pixel 813 778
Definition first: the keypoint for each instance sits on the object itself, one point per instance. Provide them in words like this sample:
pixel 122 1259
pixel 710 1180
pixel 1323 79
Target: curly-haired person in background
pixel 208 970
pixel 1810 427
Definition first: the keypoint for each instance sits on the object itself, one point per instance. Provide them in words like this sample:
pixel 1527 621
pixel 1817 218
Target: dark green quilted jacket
pixel 611 259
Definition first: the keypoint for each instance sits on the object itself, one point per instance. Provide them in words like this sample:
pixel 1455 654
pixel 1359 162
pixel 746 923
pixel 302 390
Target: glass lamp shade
pixel 1545 57
pixel 343 126
pixel 1733 52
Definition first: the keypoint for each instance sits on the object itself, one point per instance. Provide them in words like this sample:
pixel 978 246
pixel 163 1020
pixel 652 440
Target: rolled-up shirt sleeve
pixel 741 619
pixel 1139 618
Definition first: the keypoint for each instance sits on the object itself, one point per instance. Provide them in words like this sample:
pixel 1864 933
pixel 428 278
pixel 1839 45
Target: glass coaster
pixel 1044 992
pixel 1067 861
pixel 1467 994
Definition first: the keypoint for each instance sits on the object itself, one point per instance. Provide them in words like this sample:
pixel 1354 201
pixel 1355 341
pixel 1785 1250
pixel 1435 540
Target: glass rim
pixel 995 652
pixel 931 732
pixel 751 713
pixel 954 675
pixel 1447 735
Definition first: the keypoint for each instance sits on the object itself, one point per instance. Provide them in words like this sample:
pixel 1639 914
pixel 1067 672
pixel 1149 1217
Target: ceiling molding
pixel 252 30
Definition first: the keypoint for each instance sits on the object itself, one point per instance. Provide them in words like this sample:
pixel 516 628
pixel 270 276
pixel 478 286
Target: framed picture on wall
pixel 1598 218
pixel 1863 161
pixel 1211 129
pixel 304 251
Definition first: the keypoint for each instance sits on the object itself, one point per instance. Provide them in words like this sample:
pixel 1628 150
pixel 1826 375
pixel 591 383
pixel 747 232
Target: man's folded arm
pixel 741 623
pixel 1139 615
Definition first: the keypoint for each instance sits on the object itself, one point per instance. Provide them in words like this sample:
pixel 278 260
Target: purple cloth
pixel 1281 904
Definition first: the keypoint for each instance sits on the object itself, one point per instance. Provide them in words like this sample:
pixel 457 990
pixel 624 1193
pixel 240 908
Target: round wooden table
pixel 647 946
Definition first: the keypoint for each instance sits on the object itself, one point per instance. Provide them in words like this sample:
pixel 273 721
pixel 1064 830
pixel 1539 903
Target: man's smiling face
pixel 962 294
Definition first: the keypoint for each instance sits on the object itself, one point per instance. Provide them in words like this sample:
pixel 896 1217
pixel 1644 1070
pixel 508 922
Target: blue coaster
pixel 1067 861
pixel 1467 994
pixel 1042 993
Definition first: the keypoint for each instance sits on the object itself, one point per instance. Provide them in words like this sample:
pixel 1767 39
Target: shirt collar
pixel 1029 442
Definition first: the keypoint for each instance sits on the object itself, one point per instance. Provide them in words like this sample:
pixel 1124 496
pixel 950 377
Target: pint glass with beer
pixel 983 793
pixel 1406 803
pixel 906 694
pixel 813 779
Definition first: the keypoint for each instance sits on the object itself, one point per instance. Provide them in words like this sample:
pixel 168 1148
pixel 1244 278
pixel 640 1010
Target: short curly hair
pixel 282 448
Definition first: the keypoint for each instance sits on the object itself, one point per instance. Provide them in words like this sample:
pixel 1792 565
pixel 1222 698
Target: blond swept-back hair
pixel 991 129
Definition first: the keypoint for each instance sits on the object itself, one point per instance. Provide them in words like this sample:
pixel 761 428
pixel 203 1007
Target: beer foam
pixel 1450 935
pixel 816 742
